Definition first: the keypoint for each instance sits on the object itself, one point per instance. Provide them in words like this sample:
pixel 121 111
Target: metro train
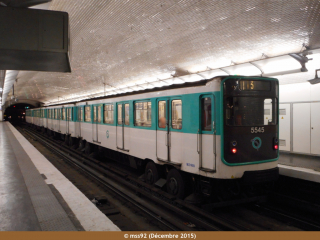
pixel 203 137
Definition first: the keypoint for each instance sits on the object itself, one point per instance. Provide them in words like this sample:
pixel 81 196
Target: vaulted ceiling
pixel 119 42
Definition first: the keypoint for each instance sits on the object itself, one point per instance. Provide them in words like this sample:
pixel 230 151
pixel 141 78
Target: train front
pixel 250 128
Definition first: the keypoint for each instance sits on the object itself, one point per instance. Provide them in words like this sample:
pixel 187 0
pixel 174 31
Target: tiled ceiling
pixel 117 42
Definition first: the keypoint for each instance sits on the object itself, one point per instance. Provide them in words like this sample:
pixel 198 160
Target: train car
pixel 29 116
pixel 220 133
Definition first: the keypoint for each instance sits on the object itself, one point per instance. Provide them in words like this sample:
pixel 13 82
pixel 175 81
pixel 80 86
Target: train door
pixel 169 130
pixel 96 122
pixel 162 130
pixel 68 119
pixel 122 122
pixel 79 120
pixel 59 119
pixel 46 116
pixel 206 137
pixel 40 117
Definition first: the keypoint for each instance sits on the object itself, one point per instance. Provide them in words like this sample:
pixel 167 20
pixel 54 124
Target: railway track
pixel 283 215
pixel 172 213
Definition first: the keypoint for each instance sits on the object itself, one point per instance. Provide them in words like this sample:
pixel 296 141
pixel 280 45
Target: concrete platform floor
pixel 35 196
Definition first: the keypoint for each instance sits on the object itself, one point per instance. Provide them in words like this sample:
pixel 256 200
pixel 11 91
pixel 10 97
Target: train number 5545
pixel 257 130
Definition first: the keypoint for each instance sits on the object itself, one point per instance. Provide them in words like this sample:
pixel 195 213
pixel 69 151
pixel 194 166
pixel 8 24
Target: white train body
pixel 181 143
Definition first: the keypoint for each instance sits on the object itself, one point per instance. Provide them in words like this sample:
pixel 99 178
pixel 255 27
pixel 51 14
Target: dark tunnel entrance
pixel 16 113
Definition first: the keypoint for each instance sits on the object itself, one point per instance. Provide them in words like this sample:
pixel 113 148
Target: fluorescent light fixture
pixel 147 86
pixel 212 73
pixel 246 69
pixel 177 80
pixel 278 65
pixel 191 78
pixel 137 88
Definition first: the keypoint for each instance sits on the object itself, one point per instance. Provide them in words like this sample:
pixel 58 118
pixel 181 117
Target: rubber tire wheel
pixel 151 168
pixel 66 139
pixel 175 176
pixel 82 144
pixel 88 149
pixel 71 141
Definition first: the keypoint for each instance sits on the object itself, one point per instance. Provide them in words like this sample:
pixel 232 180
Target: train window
pixel 56 113
pixel 94 114
pixel 206 114
pixel 126 114
pixel 87 113
pixel 250 111
pixel 63 113
pixel 142 114
pixel 108 114
pixel 162 114
pixel 99 114
pixel 120 114
pixel 176 114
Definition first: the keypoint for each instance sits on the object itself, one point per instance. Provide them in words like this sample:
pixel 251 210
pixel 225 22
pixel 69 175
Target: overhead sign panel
pixel 33 39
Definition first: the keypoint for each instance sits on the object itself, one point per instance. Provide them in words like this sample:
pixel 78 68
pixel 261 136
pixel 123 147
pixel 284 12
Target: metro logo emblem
pixel 256 143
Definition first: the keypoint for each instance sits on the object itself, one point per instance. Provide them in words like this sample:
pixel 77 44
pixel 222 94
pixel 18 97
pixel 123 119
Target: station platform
pixel 300 166
pixel 35 196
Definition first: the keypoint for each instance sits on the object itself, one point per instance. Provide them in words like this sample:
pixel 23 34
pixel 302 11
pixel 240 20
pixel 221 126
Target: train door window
pixel 176 114
pixel 162 114
pixel 80 114
pixel 63 113
pixel 99 114
pixel 87 112
pixel 120 114
pixel 56 113
pixel 142 114
pixel 69 114
pixel 94 114
pixel 126 114
pixel 206 114
pixel 59 113
pixel 108 114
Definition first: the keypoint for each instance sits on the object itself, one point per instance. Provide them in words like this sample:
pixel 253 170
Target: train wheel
pixel 82 144
pixel 88 148
pixel 71 141
pixel 175 183
pixel 151 173
pixel 66 139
